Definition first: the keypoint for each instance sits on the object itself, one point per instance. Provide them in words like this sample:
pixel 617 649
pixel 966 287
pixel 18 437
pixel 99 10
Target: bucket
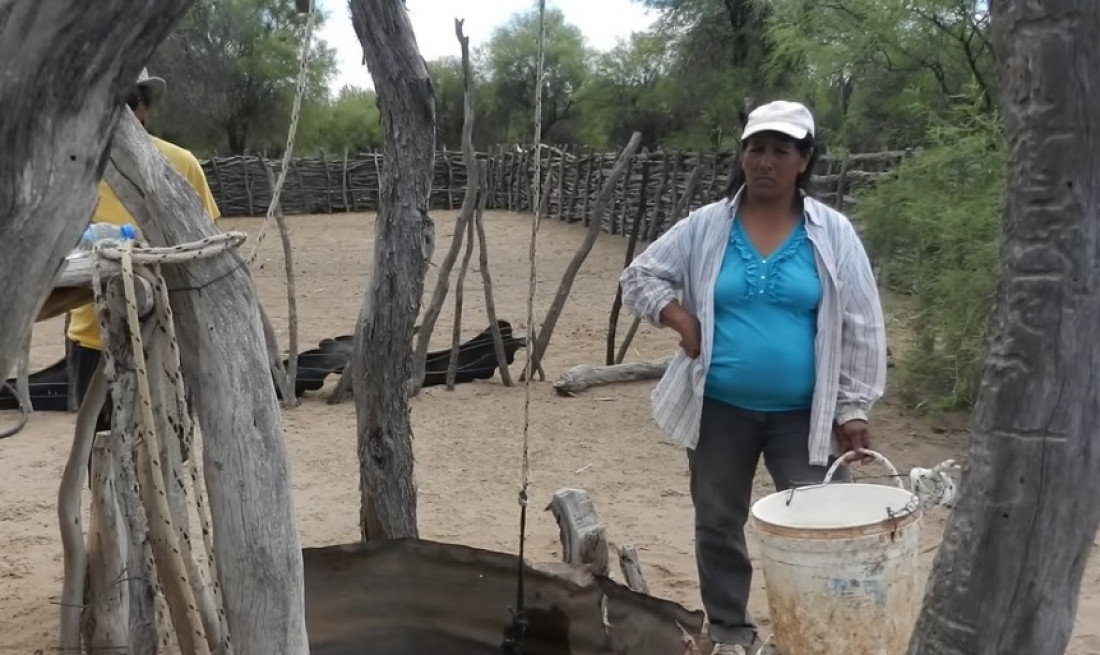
pixel 840 565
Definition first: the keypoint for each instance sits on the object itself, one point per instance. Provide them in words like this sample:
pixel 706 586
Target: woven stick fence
pixel 571 181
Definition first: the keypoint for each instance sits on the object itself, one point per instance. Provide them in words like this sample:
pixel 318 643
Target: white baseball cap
pixel 783 116
pixel 157 85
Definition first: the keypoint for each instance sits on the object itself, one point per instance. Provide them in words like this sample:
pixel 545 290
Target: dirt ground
pixel 467 441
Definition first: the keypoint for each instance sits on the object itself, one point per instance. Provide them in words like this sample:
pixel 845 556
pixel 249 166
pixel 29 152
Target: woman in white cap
pixel 782 347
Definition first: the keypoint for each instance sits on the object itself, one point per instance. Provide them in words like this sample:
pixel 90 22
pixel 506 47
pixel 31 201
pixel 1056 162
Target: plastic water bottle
pixel 100 232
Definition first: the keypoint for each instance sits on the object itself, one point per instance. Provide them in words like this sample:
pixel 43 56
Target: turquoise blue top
pixel 765 323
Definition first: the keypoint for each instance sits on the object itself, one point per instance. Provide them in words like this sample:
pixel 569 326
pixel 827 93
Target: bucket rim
pixel 909 515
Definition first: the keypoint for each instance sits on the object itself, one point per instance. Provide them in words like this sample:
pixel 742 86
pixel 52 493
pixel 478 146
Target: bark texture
pixel 402 249
pixel 64 76
pixel 1008 575
pixel 218 324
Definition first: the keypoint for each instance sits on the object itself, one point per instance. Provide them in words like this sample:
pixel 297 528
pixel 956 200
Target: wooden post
pixel 655 221
pixel 487 283
pixel 456 329
pixel 635 227
pixel 403 249
pixel 561 182
pixel 348 206
pixel 450 179
pixel 259 559
pixel 592 159
pixel 290 376
pixel 462 222
pixel 248 187
pixel 1008 574
pixel 328 181
pixel 223 194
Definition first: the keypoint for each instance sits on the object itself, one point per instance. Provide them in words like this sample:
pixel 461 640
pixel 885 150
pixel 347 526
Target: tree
pixel 860 62
pixel 510 61
pixel 402 249
pixel 232 66
pixel 1008 575
pixel 54 150
pixel 351 121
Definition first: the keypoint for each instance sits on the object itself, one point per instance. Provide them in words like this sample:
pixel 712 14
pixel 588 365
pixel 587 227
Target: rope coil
pixel 183 583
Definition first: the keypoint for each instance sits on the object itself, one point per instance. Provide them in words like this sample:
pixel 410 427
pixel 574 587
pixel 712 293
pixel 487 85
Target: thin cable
pixel 276 193
pixel 513 643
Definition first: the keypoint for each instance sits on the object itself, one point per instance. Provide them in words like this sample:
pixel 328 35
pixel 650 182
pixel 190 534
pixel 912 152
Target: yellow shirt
pixel 83 324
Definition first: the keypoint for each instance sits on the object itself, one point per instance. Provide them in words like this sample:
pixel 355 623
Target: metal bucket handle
pixel 851 454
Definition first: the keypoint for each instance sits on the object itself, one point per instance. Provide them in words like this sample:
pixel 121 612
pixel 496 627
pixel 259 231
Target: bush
pixel 932 229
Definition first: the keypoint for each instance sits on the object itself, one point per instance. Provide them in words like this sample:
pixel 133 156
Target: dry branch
pixel 456 332
pixel 290 399
pixel 632 244
pixel 574 266
pixel 632 569
pixel 465 216
pixel 103 539
pixel 52 149
pixel 487 283
pixel 583 538
pixel 583 376
pixel 403 248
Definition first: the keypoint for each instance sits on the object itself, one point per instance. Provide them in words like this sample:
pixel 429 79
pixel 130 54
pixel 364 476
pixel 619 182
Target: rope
pixel 276 193
pixel 514 639
pixel 176 574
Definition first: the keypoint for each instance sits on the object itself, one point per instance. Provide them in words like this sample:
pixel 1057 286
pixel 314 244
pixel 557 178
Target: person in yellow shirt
pixel 86 345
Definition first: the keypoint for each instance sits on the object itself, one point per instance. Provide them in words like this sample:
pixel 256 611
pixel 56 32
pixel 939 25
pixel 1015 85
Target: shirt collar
pixel 809 206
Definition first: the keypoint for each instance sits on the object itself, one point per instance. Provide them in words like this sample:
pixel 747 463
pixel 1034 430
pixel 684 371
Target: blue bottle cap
pixel 127 231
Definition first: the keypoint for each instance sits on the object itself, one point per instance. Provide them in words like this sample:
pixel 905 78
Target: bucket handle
pixel 878 457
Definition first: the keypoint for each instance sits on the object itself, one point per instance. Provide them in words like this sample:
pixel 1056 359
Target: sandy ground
pixel 468 441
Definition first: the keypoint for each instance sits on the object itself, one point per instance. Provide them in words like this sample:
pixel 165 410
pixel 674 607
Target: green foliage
pixel 932 228
pixel 232 71
pixel 510 64
pixel 352 120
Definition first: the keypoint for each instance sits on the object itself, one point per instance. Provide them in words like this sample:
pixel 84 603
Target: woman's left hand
pixel 854 435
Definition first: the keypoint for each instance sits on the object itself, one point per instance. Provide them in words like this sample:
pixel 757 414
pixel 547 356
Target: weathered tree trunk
pixel 258 556
pixel 1007 577
pixel 402 250
pixel 53 148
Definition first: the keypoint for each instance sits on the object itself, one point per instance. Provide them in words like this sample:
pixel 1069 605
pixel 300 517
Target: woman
pixel 782 347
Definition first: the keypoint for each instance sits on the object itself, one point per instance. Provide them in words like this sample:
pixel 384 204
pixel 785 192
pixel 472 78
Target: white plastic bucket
pixel 840 566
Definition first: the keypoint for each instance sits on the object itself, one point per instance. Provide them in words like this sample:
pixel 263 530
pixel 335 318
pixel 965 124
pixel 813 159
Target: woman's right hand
pixel 687 326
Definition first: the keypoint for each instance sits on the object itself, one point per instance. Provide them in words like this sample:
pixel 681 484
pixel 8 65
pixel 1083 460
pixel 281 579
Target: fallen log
pixel 585 376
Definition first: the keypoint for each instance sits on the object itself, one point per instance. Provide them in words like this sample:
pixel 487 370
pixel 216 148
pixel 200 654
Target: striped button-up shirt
pixel 850 346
